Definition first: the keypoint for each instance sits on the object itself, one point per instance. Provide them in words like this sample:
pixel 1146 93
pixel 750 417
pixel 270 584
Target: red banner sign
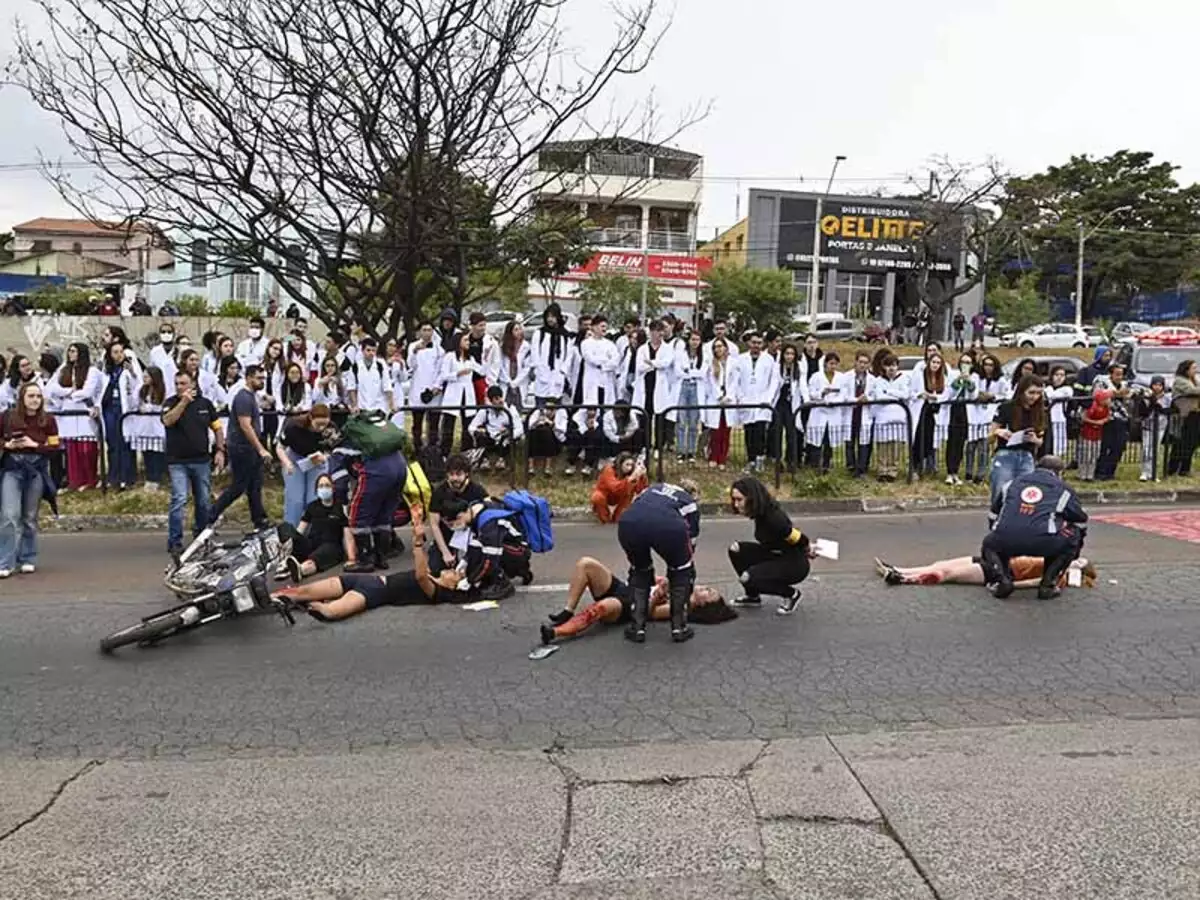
pixel 660 268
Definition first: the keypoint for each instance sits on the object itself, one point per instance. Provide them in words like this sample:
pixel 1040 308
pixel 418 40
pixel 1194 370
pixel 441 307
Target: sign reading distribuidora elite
pixel 659 268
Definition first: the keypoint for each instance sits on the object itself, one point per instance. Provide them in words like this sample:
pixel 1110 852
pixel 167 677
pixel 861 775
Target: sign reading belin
pixel 865 235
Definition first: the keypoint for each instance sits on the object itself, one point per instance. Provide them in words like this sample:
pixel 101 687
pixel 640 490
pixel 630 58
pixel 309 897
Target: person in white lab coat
pixel 250 351
pixel 992 390
pixel 369 381
pixel 77 387
pixel 458 391
pixel 858 418
pixel 826 422
pixel 495 429
pixel 623 430
pixel 516 366
pixel 142 398
pixel 162 356
pixel 585 440
pixel 425 384
pixel 889 419
pixel 720 390
pixel 721 333
pixel 550 356
pixel 599 365
pixel 485 350
pixel 786 435
pixel 961 389
pixel 293 396
pixel 929 391
pixel 689 379
pixel 653 382
pixel 547 430
pixel 330 388
pixel 757 377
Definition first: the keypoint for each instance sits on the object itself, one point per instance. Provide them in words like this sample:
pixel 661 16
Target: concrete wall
pixel 33 334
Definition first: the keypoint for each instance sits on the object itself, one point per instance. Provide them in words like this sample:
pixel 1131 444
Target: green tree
pixel 64 301
pixel 237 309
pixel 192 305
pixel 1141 224
pixel 753 298
pixel 618 296
pixel 6 254
pixel 1021 306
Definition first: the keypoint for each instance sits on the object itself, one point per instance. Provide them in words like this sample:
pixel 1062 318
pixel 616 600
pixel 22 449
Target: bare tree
pixel 377 152
pixel 966 221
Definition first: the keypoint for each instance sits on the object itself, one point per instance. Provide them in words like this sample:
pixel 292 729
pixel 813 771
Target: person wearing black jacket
pixel 777 559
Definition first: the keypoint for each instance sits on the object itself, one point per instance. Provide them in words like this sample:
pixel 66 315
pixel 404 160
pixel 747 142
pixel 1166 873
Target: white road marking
pixel 542 588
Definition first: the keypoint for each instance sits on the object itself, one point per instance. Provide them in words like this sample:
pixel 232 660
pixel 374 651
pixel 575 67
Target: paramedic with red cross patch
pixel 1036 514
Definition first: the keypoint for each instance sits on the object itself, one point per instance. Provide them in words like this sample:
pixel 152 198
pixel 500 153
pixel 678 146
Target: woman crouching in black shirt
pixel 320 541
pixel 343 596
pixel 777 559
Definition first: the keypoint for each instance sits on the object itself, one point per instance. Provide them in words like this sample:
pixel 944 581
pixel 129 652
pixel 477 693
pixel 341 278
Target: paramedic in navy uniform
pixel 664 519
pixel 1035 515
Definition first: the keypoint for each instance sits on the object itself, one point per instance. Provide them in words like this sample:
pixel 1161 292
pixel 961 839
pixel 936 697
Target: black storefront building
pixel 866 253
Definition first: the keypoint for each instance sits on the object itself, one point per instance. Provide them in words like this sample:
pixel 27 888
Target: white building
pixel 643 201
pixel 201 269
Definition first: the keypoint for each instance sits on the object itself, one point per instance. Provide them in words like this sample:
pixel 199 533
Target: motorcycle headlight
pixel 243 599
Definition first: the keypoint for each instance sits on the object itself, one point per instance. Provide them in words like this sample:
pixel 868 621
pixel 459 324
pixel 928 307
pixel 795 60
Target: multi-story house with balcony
pixel 641 202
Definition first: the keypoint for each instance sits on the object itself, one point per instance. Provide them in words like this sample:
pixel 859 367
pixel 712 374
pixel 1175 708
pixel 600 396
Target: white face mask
pixel 255 334
pixel 325 493
pixel 166 337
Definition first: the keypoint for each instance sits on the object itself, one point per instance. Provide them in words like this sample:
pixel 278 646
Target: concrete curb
pixel 844 506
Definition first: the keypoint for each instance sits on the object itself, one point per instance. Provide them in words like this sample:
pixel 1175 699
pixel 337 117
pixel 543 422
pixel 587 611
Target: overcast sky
pixel 886 83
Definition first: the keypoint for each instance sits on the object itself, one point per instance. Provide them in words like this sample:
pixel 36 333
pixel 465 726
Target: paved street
pixel 883 742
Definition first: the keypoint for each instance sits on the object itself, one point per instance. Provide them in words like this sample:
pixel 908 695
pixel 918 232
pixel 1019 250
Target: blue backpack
pixel 533 515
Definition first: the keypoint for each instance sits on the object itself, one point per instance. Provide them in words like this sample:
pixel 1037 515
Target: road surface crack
pixel 49 804
pixel 571 781
pixel 885 824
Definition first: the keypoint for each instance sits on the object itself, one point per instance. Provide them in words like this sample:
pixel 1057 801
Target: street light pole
pixel 1083 236
pixel 814 287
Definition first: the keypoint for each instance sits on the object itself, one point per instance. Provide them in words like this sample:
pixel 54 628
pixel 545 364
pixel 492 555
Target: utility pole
pixel 1083 236
pixel 814 288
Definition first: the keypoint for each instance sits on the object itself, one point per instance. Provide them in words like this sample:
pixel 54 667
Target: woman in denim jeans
pixel 689 369
pixel 1019 430
pixel 28 435
pixel 301 453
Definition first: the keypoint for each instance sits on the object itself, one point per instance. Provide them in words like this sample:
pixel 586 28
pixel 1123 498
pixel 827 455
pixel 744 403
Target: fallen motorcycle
pixel 215 581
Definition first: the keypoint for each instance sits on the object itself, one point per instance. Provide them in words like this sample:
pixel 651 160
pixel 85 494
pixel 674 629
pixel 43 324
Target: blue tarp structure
pixel 26 284
pixel 1166 306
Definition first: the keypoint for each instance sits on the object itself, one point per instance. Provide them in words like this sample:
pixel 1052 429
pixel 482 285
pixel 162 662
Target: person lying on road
pixel 343 596
pixel 1027 572
pixel 612 602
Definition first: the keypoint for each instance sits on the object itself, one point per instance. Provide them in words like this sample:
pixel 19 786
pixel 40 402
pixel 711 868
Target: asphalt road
pixel 859 656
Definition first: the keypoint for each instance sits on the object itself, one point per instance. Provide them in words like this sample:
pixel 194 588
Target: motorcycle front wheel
pixel 158 627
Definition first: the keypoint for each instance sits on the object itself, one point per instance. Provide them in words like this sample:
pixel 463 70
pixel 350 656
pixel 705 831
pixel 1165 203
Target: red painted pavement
pixel 1183 525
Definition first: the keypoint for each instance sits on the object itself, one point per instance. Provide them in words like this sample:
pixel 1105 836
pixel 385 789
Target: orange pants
pixel 604 509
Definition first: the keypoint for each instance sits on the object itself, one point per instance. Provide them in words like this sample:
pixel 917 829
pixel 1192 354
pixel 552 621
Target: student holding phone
pixel 1019 430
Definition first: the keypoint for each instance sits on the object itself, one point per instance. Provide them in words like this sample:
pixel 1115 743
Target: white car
pixel 1051 336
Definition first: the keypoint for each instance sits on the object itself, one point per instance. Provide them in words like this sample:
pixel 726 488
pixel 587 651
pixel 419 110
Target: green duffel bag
pixel 373 435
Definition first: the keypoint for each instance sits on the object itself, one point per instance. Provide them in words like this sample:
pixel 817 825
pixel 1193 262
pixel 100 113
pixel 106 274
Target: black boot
pixel 1048 587
pixel 681 595
pixel 363 555
pixel 383 546
pixel 640 583
pixel 997 568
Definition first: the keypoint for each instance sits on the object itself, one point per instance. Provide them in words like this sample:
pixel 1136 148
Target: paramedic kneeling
pixel 1036 514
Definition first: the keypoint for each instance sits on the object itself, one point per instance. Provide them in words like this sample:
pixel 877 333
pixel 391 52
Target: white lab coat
pixel 550 380
pixel 599 368
pixel 299 405
pixel 250 352
pixel 961 394
pixel 916 406
pixel 163 358
pixel 613 433
pixel 757 382
pixel 823 418
pixel 663 364
pixel 718 387
pixel 490 360
pixel 144 431
pixel 730 343
pixel 332 394
pixel 980 415
pixel 889 419
pixel 557 417
pixel 372 385
pixel 496 421
pixel 70 399
pixel 518 374
pixel 458 388
pixel 425 373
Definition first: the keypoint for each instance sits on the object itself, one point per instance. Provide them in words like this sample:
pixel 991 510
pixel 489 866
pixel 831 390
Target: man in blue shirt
pixel 245 450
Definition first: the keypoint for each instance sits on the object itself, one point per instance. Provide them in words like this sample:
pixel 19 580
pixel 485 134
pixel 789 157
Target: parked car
pixel 1144 362
pixel 1096 335
pixel 1169 336
pixel 1043 364
pixel 908 363
pixel 1126 332
pixel 533 322
pixel 497 320
pixel 828 327
pixel 1051 336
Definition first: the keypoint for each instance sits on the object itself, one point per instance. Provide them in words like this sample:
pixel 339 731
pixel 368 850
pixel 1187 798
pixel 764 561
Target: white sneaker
pixel 27 568
pixel 569 470
pixel 950 479
pixel 1143 478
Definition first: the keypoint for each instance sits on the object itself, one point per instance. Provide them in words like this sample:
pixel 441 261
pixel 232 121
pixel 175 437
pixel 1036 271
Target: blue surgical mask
pixel 325 494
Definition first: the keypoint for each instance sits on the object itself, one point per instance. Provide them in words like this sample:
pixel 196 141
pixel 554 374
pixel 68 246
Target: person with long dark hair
pixel 1019 430
pixel 991 390
pixel 1184 428
pixel 21 370
pixel 301 452
pixel 926 404
pixel 229 381
pixel 458 391
pixel 78 387
pixel 777 560
pixel 142 399
pixel 551 357
pixel 122 470
pixel 516 369
pixel 961 389
pixel 784 440
pixel 28 435
pixel 689 372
